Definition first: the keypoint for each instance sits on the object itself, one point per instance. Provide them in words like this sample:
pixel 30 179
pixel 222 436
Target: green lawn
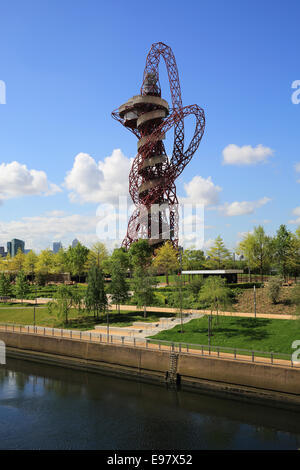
pixel 238 332
pixel 24 316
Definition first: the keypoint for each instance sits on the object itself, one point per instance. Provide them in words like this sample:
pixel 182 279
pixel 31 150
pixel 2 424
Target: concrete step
pixel 120 331
pixel 144 325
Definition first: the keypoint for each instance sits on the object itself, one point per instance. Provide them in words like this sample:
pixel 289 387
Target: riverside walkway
pixel 222 353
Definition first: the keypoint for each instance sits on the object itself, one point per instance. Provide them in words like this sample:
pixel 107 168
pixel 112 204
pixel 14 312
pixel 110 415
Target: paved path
pixel 134 308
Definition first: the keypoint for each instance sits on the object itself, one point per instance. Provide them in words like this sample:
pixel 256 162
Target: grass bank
pixel 237 332
pixel 24 316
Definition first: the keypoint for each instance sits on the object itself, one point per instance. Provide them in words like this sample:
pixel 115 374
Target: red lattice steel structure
pixel 153 174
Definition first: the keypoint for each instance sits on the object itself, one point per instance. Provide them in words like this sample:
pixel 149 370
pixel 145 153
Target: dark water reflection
pixel 45 407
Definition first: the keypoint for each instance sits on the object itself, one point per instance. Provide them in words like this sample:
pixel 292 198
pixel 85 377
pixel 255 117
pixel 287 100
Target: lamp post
pixel 34 306
pixel 180 288
pixel 107 321
pixel 254 298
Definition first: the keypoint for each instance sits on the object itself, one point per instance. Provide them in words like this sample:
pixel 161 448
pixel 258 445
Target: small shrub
pixel 194 286
pixel 274 288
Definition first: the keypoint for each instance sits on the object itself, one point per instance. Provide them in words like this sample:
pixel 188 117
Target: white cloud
pixel 296 212
pixel 17 180
pixel 201 191
pixel 40 231
pixel 242 208
pixel 297 167
pixel 100 182
pixel 245 155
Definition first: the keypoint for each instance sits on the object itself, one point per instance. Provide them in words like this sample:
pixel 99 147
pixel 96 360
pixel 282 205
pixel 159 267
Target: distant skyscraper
pixel 14 246
pixel 2 251
pixel 56 247
pixel 75 242
pixel 9 248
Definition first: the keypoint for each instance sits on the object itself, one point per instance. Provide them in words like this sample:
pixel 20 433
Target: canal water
pixel 46 407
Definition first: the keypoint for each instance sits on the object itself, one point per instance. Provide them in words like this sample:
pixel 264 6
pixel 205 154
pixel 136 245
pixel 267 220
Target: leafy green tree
pixel 293 260
pixel 216 295
pixel 166 259
pixel 282 245
pixel 30 263
pixel 256 248
pixel 140 254
pixel 217 255
pixel 77 258
pixel 95 299
pixel 60 261
pixel 193 260
pixel 6 266
pixel 17 261
pixel 118 268
pixel 98 255
pixel 118 286
pixel 195 285
pixel 21 286
pixel 77 299
pixel 44 264
pixel 62 303
pixel 143 287
pixel 5 286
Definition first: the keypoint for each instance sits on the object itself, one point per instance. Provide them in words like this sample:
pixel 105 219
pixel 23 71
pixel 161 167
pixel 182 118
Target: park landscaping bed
pixel 244 302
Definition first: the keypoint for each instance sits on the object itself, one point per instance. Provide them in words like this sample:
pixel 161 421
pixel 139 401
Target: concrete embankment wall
pixel 250 381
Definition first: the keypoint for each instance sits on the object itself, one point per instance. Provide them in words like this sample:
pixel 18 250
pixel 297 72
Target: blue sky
pixel 68 64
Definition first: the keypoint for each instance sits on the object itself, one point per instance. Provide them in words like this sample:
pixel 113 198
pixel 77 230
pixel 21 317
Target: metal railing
pixel 221 352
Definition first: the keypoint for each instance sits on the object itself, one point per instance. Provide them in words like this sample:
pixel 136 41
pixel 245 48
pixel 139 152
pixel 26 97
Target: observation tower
pixel 153 174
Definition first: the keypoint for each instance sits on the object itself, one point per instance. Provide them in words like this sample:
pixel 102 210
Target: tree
pixel 98 254
pixel 193 259
pixel 5 286
pixel 7 263
pixel 61 303
pixel 143 286
pixel 17 261
pixel 118 286
pixel 44 264
pixel 60 261
pixel 21 286
pixel 30 263
pixel 256 248
pixel 274 288
pixel 95 298
pixel 216 294
pixel 77 258
pixel 293 260
pixel 217 255
pixel 166 259
pixel 282 245
pixel 140 254
pixel 77 298
pixel 118 267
